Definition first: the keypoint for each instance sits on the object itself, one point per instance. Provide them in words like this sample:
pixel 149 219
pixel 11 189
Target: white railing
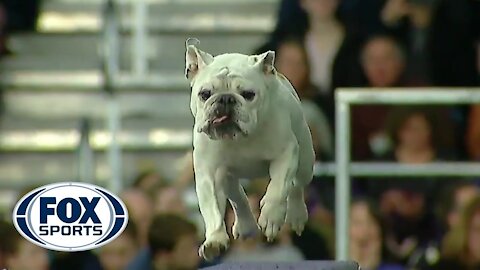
pixel 344 169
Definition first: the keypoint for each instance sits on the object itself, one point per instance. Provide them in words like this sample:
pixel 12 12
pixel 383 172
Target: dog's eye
pixel 248 95
pixel 205 94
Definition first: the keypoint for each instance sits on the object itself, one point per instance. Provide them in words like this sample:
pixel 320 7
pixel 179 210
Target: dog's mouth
pixel 219 120
pixel 222 127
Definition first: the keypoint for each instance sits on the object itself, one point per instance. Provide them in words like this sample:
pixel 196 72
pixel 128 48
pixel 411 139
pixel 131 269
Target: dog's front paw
pixel 214 245
pixel 244 228
pixel 272 218
pixel 297 215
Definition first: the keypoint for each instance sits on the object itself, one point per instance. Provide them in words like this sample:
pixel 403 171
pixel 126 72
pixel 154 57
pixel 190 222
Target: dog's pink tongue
pixel 220 120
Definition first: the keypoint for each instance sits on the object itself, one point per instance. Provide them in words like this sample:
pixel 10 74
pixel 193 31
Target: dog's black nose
pixel 226 99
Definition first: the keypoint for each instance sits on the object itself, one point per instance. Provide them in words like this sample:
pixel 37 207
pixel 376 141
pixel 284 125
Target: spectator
pixel 331 48
pixel 383 63
pixel 172 242
pixel 140 210
pixel 291 21
pixel 406 202
pixel 314 243
pixel 366 237
pixel 187 174
pixel 255 249
pixel 440 37
pixel 21 14
pixel 4 231
pixel 473 133
pixel 81 260
pixel 419 135
pixel 148 182
pixel 16 15
pixel 169 200
pixel 438 34
pixel 453 42
pixel 410 21
pixel 117 254
pixel 461 247
pixel 292 61
pixel 317 241
pixel 18 253
pixel 456 198
pixel 451 204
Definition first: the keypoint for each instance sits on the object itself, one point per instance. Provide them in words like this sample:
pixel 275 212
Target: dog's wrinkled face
pixel 229 91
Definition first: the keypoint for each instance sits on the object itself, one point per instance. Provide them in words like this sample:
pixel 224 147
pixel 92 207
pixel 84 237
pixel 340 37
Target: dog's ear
pixel 195 59
pixel 265 62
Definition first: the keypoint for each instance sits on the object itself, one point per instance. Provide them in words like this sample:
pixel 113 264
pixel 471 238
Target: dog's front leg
pixel 274 202
pixel 212 201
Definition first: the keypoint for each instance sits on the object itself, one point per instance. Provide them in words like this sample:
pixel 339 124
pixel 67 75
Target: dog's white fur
pixel 273 140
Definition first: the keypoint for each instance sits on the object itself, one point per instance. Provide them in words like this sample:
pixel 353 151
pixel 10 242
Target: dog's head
pixel 230 92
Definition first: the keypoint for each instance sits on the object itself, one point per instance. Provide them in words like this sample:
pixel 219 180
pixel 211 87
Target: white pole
pixel 140 35
pixel 342 180
pixel 114 151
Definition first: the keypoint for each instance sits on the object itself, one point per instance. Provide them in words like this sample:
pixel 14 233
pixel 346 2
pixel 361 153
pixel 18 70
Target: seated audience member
pixel 16 16
pixel 405 202
pixel 117 254
pixel 383 64
pixel 17 253
pixel 140 210
pixel 366 237
pixel 291 60
pixel 438 52
pixel 452 201
pixel 169 199
pixel 255 248
pixel 317 239
pixel 461 246
pixel 291 21
pixel 430 30
pixel 419 134
pixel 457 196
pixel 410 22
pixel 4 231
pixel 453 51
pixel 147 182
pixel 173 245
pixel 473 133
pixel 81 260
pixel 185 180
pixel 331 48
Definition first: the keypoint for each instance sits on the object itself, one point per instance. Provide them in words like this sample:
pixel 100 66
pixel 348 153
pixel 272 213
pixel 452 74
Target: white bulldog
pixel 248 123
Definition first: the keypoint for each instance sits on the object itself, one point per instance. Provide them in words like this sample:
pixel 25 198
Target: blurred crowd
pixel 395 223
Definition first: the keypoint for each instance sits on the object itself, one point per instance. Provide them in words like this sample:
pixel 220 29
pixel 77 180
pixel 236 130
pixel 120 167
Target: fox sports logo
pixel 70 216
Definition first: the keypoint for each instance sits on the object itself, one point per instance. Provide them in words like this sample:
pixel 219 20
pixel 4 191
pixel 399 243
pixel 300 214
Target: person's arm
pixel 186 175
pixel 473 133
pixel 393 12
pixel 394 19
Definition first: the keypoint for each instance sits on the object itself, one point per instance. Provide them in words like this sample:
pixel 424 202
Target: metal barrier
pixel 344 98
